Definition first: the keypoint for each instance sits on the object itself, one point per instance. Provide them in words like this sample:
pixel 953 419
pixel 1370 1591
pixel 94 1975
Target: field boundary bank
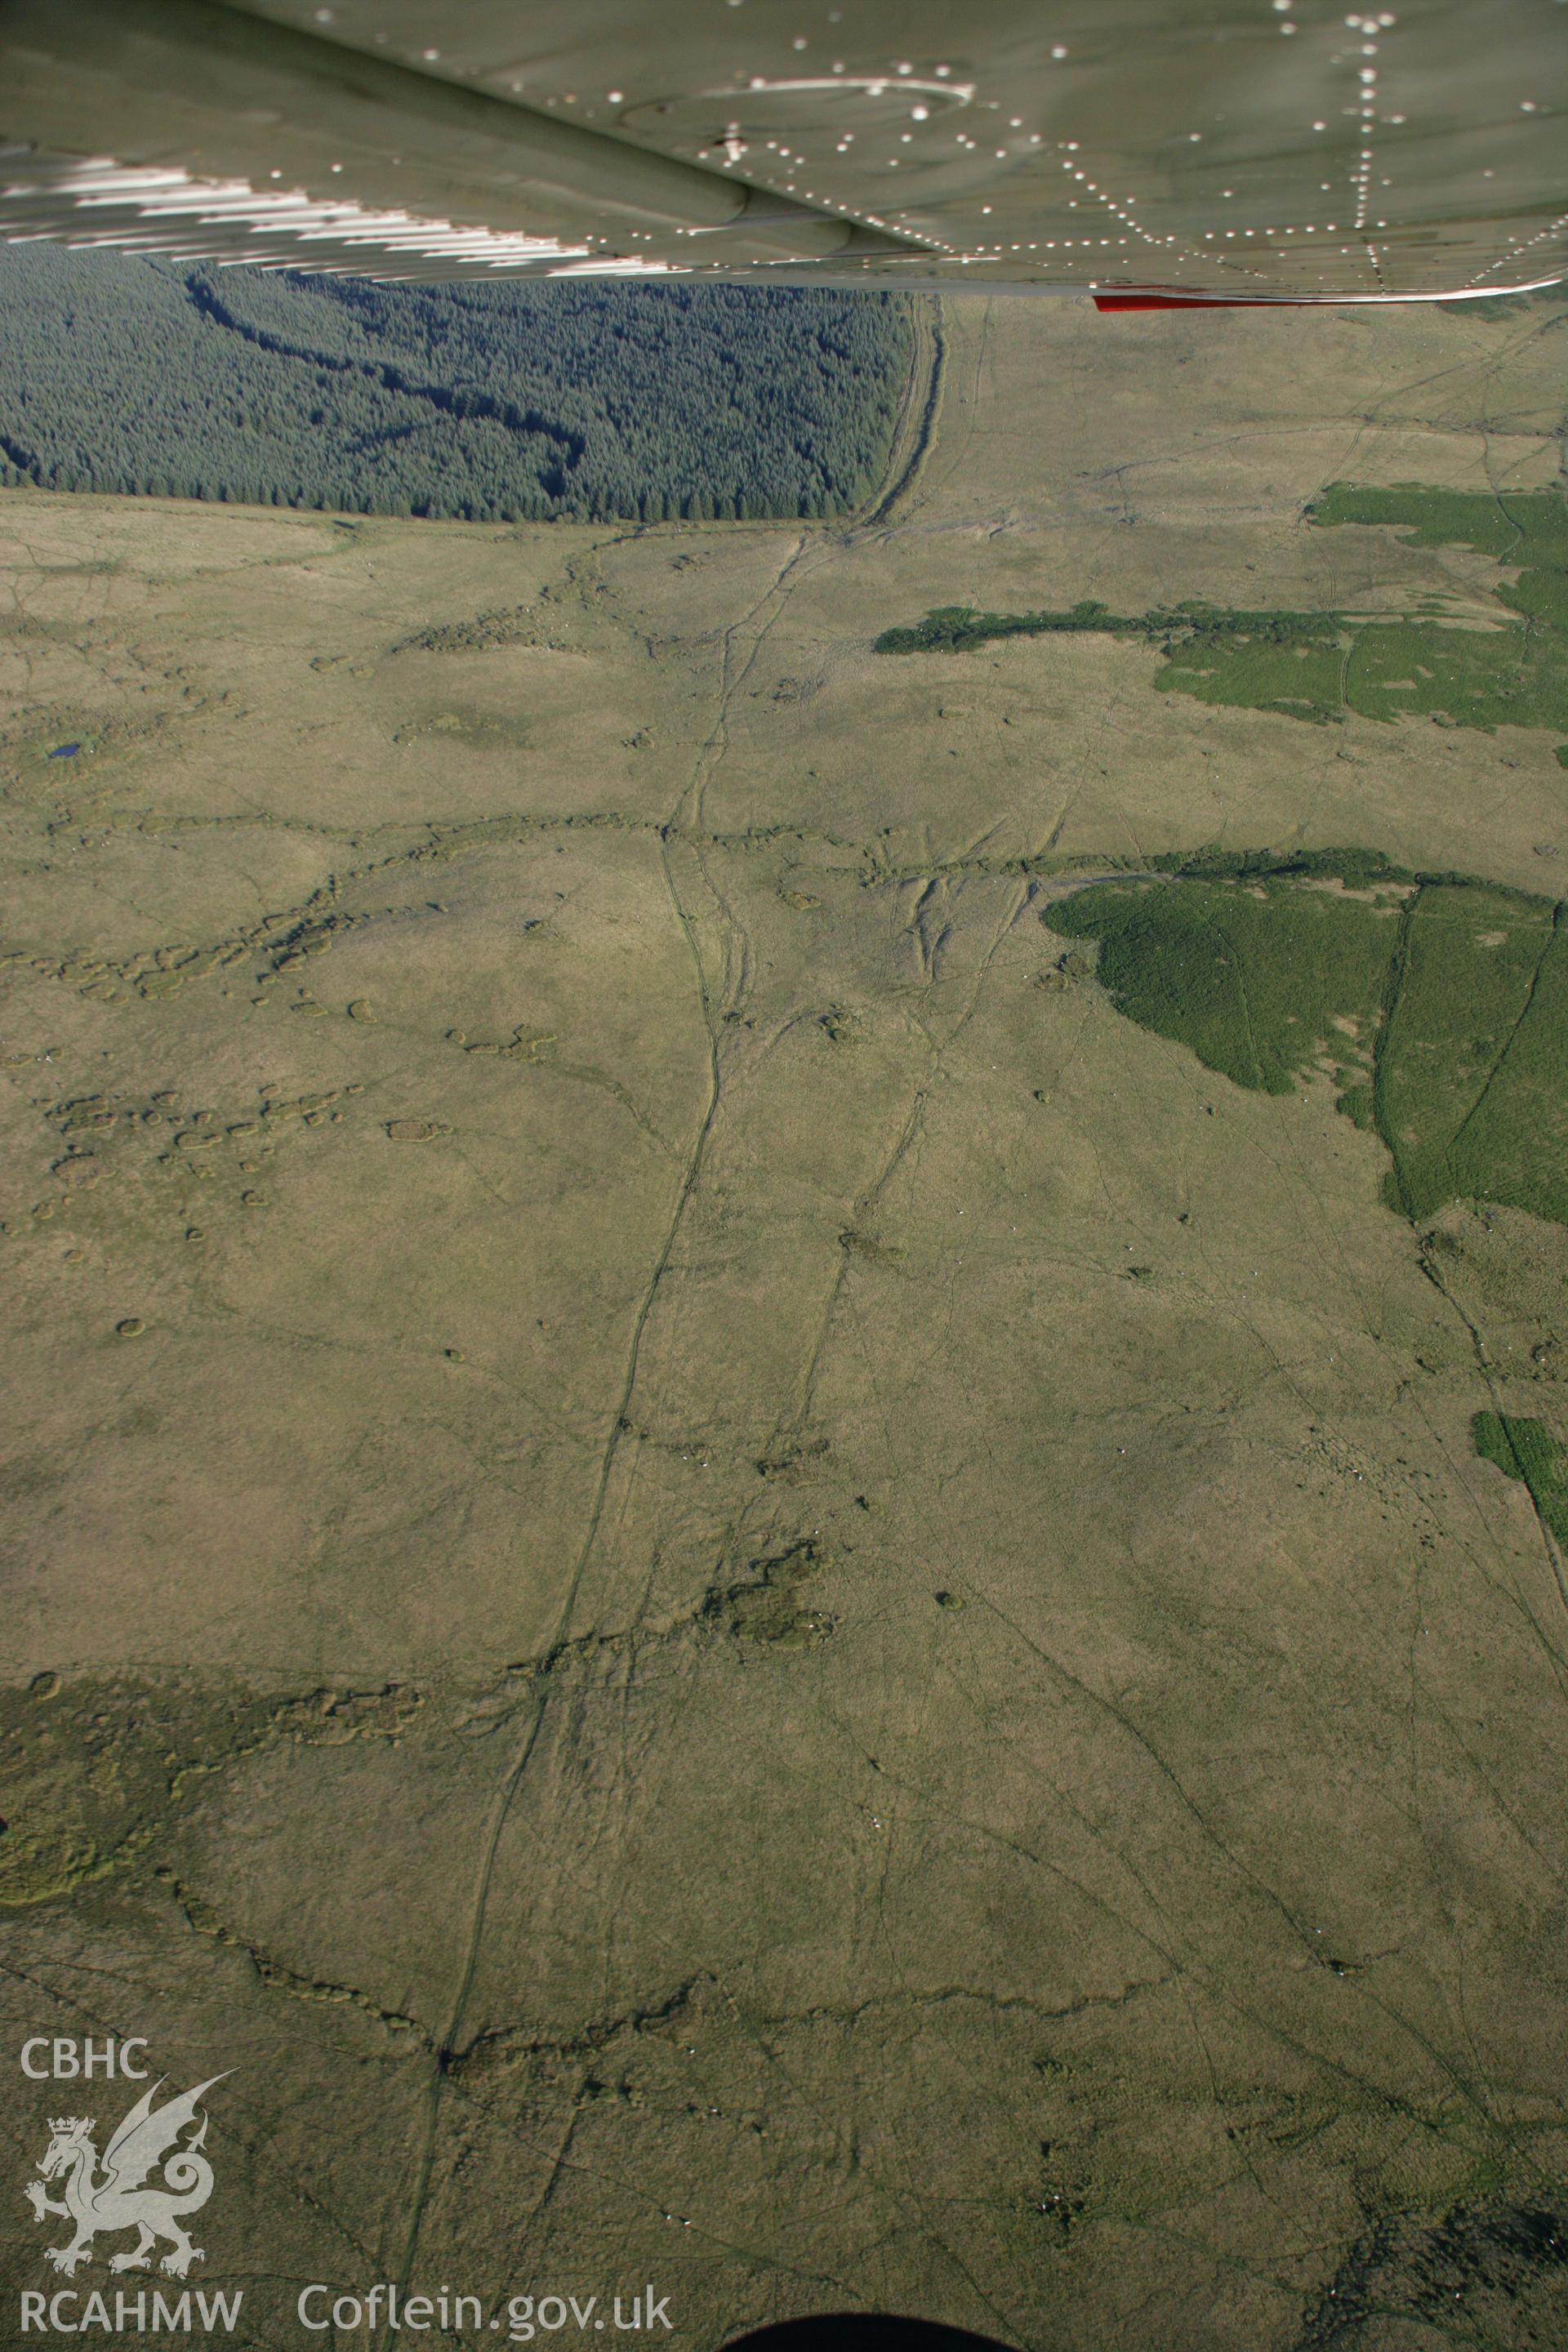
pixel 916 428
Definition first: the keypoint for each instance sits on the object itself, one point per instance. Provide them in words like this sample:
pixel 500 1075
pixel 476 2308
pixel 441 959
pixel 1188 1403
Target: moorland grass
pixel 1319 666
pixel 1438 1005
pixel 1252 976
pixel 1527 1450
pixel 1470 1094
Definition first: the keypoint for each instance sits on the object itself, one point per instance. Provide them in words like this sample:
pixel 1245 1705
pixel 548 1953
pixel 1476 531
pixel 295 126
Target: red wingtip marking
pixel 1190 302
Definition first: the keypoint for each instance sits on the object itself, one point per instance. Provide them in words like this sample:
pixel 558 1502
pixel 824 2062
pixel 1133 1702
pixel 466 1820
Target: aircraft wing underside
pixel 1250 150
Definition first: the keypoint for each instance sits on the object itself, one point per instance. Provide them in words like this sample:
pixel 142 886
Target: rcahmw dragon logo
pixel 119 2198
